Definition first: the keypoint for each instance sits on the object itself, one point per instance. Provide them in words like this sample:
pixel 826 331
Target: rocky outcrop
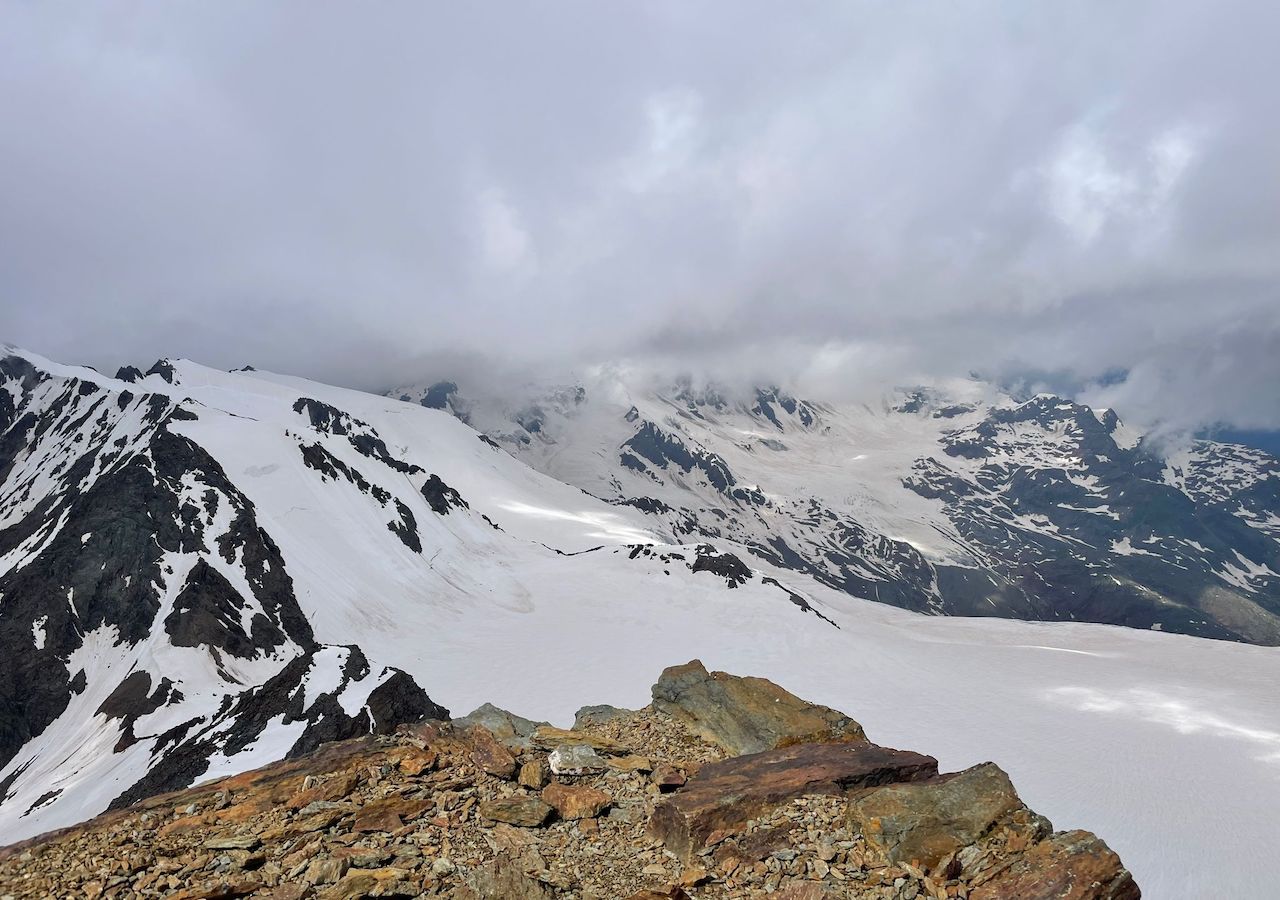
pixel 927 821
pixel 1073 865
pixel 746 715
pixel 725 795
pixel 440 809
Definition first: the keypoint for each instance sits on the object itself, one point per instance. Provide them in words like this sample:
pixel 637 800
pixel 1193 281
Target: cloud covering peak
pixel 878 191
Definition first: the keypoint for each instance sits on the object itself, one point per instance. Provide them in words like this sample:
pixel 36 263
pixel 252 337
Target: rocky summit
pixel 723 787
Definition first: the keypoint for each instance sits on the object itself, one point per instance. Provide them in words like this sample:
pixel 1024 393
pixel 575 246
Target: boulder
pixel 388 814
pixel 502 878
pixel 1070 865
pixel 512 731
pixel 576 802
pixel 598 715
pixel 925 821
pixel 724 795
pixel 667 777
pixel 489 755
pixel 527 812
pixel 575 759
pixel 534 774
pixel 747 715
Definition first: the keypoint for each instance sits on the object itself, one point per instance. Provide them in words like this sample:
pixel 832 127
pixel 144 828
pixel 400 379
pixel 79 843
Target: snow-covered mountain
pixel 202 571
pixel 961 501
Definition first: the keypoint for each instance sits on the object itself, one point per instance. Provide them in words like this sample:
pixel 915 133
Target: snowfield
pixel 534 599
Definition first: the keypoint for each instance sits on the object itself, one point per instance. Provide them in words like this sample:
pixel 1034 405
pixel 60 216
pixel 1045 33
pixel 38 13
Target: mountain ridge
pixel 978 504
pixel 416 545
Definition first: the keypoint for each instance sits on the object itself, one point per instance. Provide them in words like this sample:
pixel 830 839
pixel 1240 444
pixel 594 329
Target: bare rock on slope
pixel 723 796
pixel 747 715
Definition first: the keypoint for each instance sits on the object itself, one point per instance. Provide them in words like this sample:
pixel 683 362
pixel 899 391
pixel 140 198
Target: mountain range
pixel 205 571
pixel 966 502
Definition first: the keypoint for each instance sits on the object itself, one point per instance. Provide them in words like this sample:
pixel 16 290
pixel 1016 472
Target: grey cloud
pixel 843 193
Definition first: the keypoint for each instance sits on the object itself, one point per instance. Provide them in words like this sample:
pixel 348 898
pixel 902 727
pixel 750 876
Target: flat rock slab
pixel 926 821
pixel 747 715
pixel 547 736
pixel 724 795
pixel 1070 865
pixel 527 812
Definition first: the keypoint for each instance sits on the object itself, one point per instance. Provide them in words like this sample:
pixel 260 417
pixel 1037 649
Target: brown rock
pixel 548 737
pixel 807 890
pixel 232 842
pixel 318 821
pixel 673 892
pixel 490 755
pixel 284 892
pixel 630 763
pixel 927 821
pixel 325 871
pixel 534 774
pixel 747 715
pixel 576 801
pixel 527 812
pixel 1070 865
pixel 218 890
pixel 184 825
pixel 414 764
pixel 335 788
pixel 389 814
pixel 502 878
pixel 668 778
pixel 724 795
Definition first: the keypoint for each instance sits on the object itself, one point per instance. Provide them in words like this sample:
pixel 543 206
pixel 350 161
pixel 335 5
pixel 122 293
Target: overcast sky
pixel 842 192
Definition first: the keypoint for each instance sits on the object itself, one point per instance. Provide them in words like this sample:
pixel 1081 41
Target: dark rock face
pixel 207 612
pixel 398 699
pixel 1110 539
pixel 109 510
pixel 440 497
pixel 726 565
pixel 663 450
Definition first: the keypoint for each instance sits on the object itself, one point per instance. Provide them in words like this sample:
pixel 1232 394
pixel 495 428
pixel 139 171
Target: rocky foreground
pixel 723 787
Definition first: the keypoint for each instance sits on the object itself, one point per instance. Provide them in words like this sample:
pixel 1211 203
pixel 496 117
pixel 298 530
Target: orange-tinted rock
pixel 747 715
pixel 575 801
pixel 331 789
pixel 1070 865
pixel 414 764
pixel 534 774
pixel 724 795
pixel 389 814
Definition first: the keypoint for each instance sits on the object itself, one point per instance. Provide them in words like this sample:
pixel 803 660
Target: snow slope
pixel 957 499
pixel 415 549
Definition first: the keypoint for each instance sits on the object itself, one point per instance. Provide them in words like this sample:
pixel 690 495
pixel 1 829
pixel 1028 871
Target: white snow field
pixel 1166 746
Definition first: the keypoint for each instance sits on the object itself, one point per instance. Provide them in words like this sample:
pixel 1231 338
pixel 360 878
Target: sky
pixel 836 194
